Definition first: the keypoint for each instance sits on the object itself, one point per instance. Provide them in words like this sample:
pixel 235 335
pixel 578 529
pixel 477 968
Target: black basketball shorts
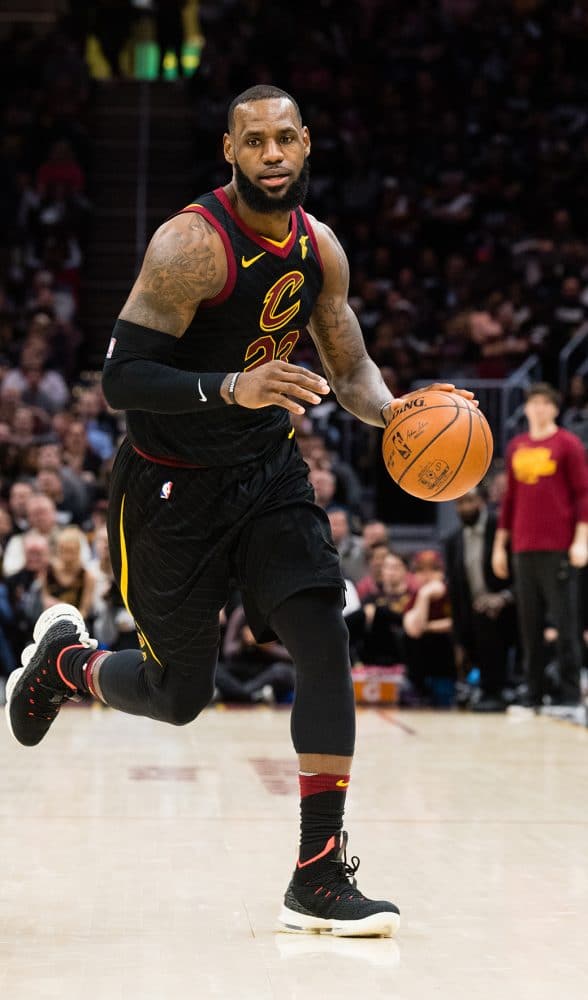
pixel 180 539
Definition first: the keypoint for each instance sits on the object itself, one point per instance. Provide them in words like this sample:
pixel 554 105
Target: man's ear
pixel 228 148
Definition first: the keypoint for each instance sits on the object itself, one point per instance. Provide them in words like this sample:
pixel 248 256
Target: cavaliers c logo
pixel 284 288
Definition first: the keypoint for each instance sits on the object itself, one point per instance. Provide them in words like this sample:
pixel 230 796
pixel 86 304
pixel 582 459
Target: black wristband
pixel 140 374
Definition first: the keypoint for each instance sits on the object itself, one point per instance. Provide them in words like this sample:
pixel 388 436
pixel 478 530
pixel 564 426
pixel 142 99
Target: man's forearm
pixel 501 538
pixel 581 533
pixel 363 392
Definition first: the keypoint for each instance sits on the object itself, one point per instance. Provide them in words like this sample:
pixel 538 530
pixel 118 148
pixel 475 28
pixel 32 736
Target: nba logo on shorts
pixel 165 491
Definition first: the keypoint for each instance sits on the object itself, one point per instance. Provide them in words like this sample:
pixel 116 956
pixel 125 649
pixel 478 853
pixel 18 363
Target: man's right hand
pixel 273 383
pixel 500 562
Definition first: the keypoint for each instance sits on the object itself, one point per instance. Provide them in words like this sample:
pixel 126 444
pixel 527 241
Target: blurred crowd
pixel 450 155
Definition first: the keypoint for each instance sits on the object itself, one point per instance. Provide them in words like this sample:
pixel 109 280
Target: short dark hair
pixel 261 92
pixel 543 389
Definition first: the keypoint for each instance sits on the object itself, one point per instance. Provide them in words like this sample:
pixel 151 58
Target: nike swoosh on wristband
pixel 248 263
pixel 203 398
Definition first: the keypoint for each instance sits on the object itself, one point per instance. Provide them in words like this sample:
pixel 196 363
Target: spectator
pixel 21 492
pixel 42 517
pixel 544 516
pixel 483 605
pixel 349 546
pixel 575 415
pixel 76 493
pixel 370 586
pixel 252 671
pixel 6 527
pixel 77 453
pixel 385 639
pixel 170 31
pixel 101 429
pixel 374 533
pixel 113 627
pixel 323 481
pixel 428 626
pixel 7 658
pixel 24 590
pixel 37 385
pixel 67 580
pixel 60 171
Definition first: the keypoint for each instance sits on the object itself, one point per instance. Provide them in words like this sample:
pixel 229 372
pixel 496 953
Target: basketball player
pixel 209 486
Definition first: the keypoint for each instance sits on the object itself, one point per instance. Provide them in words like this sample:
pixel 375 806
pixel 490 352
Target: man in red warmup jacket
pixel 545 517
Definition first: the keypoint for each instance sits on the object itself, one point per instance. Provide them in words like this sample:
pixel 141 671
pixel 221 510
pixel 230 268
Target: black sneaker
pixel 36 691
pixel 324 898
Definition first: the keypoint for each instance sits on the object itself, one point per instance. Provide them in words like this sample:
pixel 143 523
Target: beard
pixel 259 201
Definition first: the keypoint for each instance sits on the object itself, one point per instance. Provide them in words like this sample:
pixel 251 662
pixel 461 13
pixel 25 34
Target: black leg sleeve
pixel 311 626
pixel 142 686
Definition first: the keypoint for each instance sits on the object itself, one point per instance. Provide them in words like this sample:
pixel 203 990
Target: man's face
pixel 268 149
pixel 374 534
pixel 41 514
pixel 339 525
pixel 376 561
pixel 540 410
pixel 469 508
pixel 20 494
pixel 394 571
pixel 36 556
pixel 49 457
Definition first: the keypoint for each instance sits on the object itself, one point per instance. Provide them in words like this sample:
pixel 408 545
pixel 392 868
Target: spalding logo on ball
pixel 438 445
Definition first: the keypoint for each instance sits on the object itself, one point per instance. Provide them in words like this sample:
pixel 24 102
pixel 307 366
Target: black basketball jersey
pixel 258 316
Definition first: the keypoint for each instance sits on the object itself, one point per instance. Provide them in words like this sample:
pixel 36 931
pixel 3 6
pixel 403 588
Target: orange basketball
pixel 438 445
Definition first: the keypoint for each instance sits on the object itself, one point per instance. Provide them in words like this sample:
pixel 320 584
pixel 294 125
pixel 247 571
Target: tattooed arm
pixel 185 263
pixel 334 328
pixel 353 376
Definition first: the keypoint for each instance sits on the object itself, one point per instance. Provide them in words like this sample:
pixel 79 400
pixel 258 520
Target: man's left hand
pixel 388 410
pixel 578 554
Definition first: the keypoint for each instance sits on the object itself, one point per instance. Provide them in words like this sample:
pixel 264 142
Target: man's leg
pixel 62 662
pixel 320 896
pixel 139 685
pixel 491 640
pixel 531 613
pixel 560 583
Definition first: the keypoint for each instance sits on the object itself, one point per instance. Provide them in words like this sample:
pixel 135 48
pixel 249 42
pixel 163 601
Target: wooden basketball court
pixel 140 861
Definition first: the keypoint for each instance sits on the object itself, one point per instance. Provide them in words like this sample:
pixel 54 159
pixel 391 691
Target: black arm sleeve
pixel 136 376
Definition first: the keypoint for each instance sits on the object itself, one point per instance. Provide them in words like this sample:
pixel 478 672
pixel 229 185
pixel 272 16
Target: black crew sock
pixel 322 805
pixel 72 664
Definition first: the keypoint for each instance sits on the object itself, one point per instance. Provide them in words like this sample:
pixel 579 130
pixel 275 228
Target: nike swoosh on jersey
pixel 203 398
pixel 248 263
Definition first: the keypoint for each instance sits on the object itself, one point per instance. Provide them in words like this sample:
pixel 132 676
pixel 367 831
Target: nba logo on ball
pixel 437 445
pixel 165 491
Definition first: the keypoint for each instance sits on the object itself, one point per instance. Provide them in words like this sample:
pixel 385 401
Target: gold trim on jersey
pixel 124 582
pixel 278 243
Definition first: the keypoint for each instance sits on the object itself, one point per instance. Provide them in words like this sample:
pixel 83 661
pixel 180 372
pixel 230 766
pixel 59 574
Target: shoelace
pixel 348 869
pixel 343 870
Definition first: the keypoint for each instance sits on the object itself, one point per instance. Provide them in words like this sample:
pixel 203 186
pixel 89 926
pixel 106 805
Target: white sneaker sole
pixel 57 613
pixel 384 924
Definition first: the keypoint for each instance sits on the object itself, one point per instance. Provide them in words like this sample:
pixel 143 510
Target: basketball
pixel 438 445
